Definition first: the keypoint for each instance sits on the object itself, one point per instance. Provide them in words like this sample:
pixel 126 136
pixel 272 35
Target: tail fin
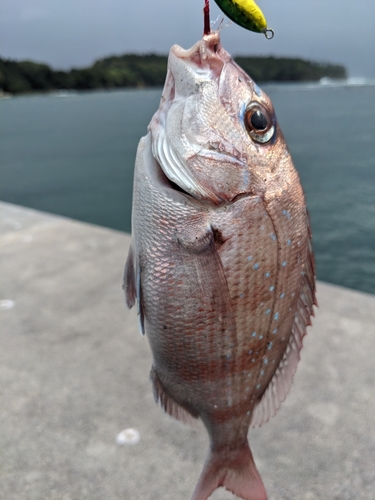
pixel 235 470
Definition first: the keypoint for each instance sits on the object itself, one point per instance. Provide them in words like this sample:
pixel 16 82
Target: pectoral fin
pixel 205 277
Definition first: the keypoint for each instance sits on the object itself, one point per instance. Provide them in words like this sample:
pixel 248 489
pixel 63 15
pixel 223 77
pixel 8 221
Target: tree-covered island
pixel 148 70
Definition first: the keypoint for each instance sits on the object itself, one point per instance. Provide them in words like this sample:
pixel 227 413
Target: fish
pixel 220 264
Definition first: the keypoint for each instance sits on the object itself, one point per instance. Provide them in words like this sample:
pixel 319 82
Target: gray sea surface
pixel 73 154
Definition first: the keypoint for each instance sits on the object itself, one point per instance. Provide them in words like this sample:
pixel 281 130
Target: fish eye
pixel 258 123
pixel 258 120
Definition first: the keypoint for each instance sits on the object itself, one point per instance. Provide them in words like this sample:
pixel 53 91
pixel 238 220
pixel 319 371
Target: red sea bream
pixel 220 264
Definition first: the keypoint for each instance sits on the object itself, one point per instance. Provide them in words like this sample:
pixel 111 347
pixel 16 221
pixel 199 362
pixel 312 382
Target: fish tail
pixel 234 470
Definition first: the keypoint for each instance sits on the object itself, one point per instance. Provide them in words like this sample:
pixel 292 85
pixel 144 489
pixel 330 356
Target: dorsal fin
pixel 279 386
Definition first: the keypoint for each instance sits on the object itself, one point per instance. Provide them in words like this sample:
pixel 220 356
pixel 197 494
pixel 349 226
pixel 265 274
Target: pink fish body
pixel 220 264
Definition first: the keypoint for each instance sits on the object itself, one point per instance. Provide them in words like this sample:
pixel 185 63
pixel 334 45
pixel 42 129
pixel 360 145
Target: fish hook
pixel 206 17
pixel 221 27
pixel 213 23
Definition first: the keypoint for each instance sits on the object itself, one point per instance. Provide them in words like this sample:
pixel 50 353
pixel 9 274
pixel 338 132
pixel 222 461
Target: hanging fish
pixel 220 263
pixel 247 14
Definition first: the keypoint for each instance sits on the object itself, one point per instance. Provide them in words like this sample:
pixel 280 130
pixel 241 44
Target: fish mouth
pixel 199 51
pixel 207 55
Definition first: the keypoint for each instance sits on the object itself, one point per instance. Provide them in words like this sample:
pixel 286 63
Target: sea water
pixel 73 154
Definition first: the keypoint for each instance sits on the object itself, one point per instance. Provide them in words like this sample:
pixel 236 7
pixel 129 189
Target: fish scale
pixel 245 264
pixel 174 314
pixel 220 264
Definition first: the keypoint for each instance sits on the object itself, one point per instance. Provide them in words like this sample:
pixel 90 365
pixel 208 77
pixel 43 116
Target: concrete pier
pixel 74 372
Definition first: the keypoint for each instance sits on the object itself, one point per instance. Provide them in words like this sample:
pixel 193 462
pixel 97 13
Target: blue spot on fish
pixel 241 295
pixel 254 334
pixel 282 295
pixel 268 311
pixel 288 243
pixel 260 336
pixel 262 372
pixel 265 361
pixel 286 213
pixel 274 331
pixel 284 263
pixel 272 288
pixel 251 351
pixel 269 347
pixel 256 266
pixel 267 275
pixel 276 316
pixel 250 257
pixel 258 386
pixel 273 236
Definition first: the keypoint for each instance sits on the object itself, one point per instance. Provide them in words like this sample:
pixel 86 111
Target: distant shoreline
pixel 147 71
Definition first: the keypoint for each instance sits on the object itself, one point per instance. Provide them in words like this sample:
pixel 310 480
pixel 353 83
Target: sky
pixel 75 33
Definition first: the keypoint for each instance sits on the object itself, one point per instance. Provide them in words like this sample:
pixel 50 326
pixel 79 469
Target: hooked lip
pixel 208 44
pixel 207 53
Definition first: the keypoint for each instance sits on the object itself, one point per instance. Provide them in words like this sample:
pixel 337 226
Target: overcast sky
pixel 74 33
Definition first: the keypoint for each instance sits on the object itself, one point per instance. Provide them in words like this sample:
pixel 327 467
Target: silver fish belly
pixel 220 264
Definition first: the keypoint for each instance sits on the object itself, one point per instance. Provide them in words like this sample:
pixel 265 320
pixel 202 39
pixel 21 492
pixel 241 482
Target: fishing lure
pixel 247 14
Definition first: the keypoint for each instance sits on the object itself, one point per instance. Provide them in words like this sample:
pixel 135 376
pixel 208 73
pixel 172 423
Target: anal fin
pixel 168 404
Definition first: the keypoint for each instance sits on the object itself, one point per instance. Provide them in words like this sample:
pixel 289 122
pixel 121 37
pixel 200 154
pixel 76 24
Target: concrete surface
pixel 74 373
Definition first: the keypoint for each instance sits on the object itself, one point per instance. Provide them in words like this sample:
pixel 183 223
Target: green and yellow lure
pixel 247 14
